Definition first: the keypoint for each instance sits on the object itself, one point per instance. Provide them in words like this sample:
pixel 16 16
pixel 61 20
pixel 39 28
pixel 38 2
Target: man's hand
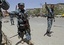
pixel 45 3
pixel 46 6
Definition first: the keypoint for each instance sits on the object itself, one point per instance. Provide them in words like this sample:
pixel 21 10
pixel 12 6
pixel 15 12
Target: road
pixel 38 28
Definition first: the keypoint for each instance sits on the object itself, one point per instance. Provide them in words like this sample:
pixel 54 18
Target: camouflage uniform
pixel 50 18
pixel 22 21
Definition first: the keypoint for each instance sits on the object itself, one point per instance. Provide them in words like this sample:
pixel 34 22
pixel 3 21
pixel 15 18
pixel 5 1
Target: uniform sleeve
pixel 47 8
pixel 13 12
pixel 26 14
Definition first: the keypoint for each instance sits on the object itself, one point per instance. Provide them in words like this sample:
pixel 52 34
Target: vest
pixel 50 13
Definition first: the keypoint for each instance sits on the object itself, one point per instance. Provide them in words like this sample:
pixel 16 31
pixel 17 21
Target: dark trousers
pixel 0 32
pixel 12 21
pixel 49 22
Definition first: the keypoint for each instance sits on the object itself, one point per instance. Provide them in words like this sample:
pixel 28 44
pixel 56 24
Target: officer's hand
pixel 45 3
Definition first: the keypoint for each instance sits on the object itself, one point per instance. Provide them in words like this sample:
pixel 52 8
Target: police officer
pixel 22 19
pixel 50 18
pixel 26 22
pixel 4 5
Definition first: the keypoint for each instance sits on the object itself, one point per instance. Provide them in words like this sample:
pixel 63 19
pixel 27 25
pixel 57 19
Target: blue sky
pixel 31 3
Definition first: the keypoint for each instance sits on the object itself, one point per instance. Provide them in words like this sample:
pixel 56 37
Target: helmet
pixel 21 4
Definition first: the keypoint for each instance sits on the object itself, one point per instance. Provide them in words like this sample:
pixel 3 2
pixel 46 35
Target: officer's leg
pixel 28 38
pixel 51 22
pixel 18 27
pixel 0 32
pixel 29 31
pixel 18 32
pixel 48 27
pixel 22 35
pixel 11 21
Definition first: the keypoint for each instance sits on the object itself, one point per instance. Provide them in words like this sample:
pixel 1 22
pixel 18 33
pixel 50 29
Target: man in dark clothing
pixel 22 21
pixel 50 18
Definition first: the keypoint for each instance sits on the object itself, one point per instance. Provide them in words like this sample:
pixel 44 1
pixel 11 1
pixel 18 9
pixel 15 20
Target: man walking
pixel 50 18
pixel 22 20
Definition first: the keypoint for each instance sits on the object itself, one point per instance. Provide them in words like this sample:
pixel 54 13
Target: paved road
pixel 38 28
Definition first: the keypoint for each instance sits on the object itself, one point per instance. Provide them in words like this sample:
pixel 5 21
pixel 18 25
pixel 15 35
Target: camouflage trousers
pixel 49 22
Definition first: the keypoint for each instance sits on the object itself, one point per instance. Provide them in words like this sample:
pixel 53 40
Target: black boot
pixel 48 33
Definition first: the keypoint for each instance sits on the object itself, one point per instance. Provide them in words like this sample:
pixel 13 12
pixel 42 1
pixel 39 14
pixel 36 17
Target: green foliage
pixel 35 11
pixel 59 11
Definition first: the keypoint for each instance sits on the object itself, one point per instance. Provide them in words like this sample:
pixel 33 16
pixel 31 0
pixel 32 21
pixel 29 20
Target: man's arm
pixel 46 7
pixel 12 13
pixel 16 12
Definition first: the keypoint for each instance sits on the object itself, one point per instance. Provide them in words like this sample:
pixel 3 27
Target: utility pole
pixel 41 9
pixel 16 7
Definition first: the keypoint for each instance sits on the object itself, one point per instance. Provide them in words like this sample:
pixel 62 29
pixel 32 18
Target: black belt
pixel 50 17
